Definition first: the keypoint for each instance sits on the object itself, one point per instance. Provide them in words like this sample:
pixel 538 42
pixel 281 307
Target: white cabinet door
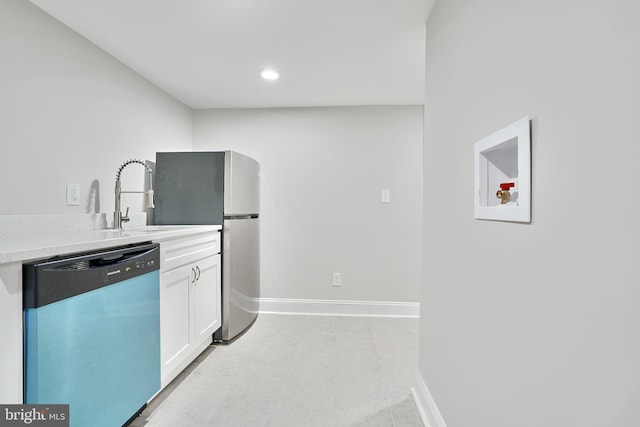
pixel 206 298
pixel 175 321
pixel 190 310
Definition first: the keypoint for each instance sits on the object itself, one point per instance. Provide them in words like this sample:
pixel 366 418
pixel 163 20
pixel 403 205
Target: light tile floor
pixel 290 371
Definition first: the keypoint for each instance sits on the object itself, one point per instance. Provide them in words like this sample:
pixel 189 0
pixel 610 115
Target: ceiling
pixel 209 53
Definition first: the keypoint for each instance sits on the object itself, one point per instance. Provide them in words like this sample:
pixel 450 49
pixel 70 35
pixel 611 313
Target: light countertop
pixel 25 247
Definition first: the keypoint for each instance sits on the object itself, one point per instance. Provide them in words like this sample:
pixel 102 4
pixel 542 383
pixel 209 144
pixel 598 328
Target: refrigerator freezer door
pixel 189 188
pixel 241 275
pixel 241 185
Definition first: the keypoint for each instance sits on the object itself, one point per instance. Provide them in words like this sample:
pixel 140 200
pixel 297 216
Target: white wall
pixel 71 113
pixel 322 172
pixel 534 325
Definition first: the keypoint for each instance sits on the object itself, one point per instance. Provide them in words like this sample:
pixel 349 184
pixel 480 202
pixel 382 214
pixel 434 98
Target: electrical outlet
pixel 73 194
pixel 337 279
pixel 385 196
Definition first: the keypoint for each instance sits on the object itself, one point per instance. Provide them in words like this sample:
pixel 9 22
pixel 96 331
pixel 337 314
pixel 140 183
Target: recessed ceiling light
pixel 269 74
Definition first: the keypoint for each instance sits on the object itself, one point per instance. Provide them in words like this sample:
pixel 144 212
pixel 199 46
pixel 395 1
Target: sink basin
pixel 154 228
pixel 148 231
pixel 142 230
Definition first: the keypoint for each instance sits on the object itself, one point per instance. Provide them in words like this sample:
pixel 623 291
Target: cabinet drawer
pixel 182 251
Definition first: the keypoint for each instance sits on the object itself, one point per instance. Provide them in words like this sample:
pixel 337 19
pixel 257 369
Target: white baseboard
pixel 339 307
pixel 427 408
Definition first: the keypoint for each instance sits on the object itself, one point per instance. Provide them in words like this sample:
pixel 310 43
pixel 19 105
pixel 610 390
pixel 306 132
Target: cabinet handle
pixel 198 270
pixel 193 272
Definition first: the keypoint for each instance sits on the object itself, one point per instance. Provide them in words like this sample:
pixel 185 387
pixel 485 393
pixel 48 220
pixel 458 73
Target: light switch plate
pixel 385 196
pixel 73 194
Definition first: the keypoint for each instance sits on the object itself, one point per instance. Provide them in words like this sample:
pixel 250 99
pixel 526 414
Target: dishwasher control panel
pixel 54 279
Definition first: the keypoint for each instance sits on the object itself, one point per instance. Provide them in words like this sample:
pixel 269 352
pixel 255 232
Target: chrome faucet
pixel 118 218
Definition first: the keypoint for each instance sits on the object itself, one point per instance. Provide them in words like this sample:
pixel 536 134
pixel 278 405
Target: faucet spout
pixel 118 218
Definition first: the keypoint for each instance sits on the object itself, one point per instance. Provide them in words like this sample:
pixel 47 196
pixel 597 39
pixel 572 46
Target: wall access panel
pixel 503 174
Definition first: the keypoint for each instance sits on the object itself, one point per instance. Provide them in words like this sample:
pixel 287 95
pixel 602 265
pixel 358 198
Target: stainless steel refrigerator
pixel 221 187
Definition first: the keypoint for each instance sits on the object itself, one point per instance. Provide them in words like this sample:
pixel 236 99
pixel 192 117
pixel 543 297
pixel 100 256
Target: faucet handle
pixel 126 218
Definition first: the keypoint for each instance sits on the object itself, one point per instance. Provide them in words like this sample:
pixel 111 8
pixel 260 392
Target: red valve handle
pixel 506 186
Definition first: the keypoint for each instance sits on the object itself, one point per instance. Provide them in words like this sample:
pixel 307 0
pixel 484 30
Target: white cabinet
pixel 190 310
pixel 11 333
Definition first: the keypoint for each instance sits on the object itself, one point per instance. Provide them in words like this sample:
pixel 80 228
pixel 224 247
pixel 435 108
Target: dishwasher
pixel 92 333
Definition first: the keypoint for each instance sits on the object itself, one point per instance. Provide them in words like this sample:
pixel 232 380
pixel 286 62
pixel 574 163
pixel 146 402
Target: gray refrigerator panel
pixel 241 185
pixel 189 188
pixel 240 275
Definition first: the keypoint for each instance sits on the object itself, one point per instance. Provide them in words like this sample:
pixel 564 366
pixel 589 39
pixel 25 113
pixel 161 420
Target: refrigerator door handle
pixel 241 216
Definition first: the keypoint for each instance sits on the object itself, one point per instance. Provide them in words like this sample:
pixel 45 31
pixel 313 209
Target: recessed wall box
pixel 503 164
